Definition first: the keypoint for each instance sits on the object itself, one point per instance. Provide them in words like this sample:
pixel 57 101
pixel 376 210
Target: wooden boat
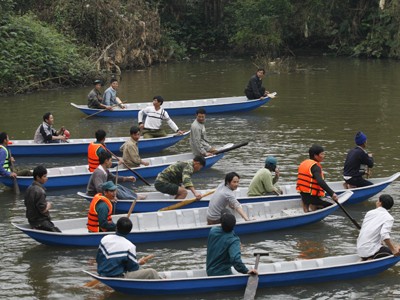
pixel 182 107
pixel 79 175
pixel 155 200
pixel 80 146
pixel 185 223
pixel 285 273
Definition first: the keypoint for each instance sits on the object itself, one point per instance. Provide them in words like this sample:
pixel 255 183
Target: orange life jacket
pixel 93 159
pixel 305 181
pixel 93 218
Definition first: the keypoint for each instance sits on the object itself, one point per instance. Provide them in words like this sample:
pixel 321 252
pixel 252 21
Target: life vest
pixel 305 181
pixel 93 159
pixel 93 217
pixel 6 164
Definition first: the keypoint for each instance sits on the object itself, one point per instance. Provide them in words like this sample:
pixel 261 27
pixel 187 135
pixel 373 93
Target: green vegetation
pixel 56 42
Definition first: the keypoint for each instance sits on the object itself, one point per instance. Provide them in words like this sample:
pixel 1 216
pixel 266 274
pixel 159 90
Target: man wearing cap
pixel 95 98
pixel 357 162
pixel 311 183
pixel 154 116
pixel 223 249
pixel 101 209
pixel 263 183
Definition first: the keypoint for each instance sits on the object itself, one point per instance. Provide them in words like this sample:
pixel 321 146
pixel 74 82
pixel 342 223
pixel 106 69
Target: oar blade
pixel 251 288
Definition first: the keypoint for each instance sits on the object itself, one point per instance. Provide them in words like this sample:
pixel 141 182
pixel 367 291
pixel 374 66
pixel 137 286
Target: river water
pixel 326 101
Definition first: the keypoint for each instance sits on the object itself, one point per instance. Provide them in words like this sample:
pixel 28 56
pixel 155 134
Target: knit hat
pixel 360 138
pixel 270 160
pixel 109 186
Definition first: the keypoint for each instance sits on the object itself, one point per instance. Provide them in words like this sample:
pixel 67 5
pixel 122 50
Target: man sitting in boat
pixel 224 197
pixel 102 175
pixel 374 238
pixel 223 249
pixel 357 162
pixel 45 133
pixel 154 116
pixel 110 95
pixel 263 183
pixel 130 150
pixel 7 161
pixel 95 98
pixel 254 89
pixel 116 256
pixel 198 140
pixel 171 179
pixel 311 183
pixel 37 207
pixel 101 209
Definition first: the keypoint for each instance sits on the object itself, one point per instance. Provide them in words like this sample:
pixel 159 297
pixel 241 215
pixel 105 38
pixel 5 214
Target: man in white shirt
pixel 374 238
pixel 154 116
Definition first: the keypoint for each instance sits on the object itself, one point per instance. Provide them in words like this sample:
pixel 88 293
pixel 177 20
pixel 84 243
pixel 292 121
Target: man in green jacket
pixel 223 249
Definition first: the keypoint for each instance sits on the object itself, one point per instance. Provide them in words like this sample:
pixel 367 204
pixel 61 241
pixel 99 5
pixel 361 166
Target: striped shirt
pixel 155 117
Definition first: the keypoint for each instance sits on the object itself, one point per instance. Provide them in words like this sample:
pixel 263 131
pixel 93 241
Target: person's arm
pixel 41 204
pixel 235 258
pixel 254 87
pixel 367 159
pixel 107 98
pixel 102 213
pixel 316 171
pixel 141 114
pixel 241 212
pixel 171 123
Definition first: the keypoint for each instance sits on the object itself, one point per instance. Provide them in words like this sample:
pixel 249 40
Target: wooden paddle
pixel 131 208
pixel 100 111
pixel 185 202
pixel 133 171
pixel 15 186
pixel 348 215
pixel 231 148
pixel 252 282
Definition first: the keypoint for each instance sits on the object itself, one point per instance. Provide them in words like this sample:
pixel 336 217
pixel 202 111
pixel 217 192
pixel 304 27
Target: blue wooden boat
pixel 155 201
pixel 276 274
pixel 182 107
pixel 63 177
pixel 80 146
pixel 185 223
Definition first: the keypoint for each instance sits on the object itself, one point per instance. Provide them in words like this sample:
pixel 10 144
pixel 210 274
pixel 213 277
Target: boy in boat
pixel 374 238
pixel 357 162
pixel 198 139
pixel 223 249
pixel 171 179
pixel 37 208
pixel 311 183
pixel 45 133
pixel 254 89
pixel 263 183
pixel 95 98
pixel 154 117
pixel 130 150
pixel 110 95
pixel 224 197
pixel 116 256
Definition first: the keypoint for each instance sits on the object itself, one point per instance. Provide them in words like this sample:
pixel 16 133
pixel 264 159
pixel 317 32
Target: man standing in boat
pixel 374 238
pixel 116 256
pixel 151 127
pixel 102 175
pixel 224 197
pixel 45 133
pixel 130 150
pixel 263 183
pixel 101 208
pixel 176 179
pixel 357 162
pixel 223 249
pixel 95 98
pixel 37 207
pixel 254 89
pixel 110 95
pixel 311 183
pixel 198 139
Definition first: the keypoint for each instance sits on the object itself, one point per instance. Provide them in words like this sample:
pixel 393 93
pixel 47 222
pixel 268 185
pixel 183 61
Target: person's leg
pixel 147 134
pixel 166 188
pixel 47 225
pixel 305 202
pixel 382 252
pixel 159 133
pixel 143 274
pixel 124 193
pixel 359 181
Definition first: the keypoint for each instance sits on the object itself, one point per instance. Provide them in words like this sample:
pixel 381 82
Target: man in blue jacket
pixel 223 249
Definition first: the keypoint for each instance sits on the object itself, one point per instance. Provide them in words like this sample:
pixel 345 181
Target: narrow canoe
pixel 80 146
pixel 285 273
pixel 155 200
pixel 63 177
pixel 182 107
pixel 185 224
